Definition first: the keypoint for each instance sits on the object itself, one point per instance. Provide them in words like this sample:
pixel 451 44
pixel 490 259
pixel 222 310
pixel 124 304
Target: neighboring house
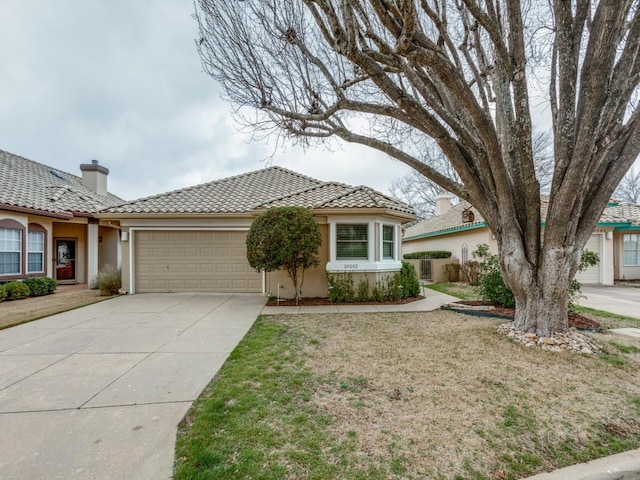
pixel 193 240
pixel 48 223
pixel 460 229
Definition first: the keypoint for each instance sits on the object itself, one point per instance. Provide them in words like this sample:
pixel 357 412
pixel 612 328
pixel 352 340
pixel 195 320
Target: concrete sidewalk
pixel 432 301
pixel 98 392
pixel 623 466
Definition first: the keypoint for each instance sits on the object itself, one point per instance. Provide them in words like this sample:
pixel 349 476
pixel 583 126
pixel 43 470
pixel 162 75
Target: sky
pixel 120 81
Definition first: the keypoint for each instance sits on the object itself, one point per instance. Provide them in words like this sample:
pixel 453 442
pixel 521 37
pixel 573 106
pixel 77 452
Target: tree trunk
pixel 541 290
pixel 542 312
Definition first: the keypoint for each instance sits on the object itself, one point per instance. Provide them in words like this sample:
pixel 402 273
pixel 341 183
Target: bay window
pixel 388 244
pixel 352 241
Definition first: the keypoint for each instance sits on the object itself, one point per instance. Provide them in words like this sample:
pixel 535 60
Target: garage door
pixel 592 274
pixel 193 261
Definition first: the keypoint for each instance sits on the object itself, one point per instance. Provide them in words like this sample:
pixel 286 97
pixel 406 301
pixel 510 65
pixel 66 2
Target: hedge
pixel 427 254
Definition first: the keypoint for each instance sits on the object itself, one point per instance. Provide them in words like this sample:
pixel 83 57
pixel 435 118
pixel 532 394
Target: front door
pixel 66 260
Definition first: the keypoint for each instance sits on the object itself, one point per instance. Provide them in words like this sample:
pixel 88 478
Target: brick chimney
pixel 443 203
pixel 94 177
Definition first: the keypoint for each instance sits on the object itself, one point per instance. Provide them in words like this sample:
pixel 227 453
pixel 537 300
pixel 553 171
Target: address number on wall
pixel 350 266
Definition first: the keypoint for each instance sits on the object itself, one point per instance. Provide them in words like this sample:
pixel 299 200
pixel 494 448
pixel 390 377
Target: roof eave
pixel 350 211
pixel 459 228
pixel 112 216
pixel 36 211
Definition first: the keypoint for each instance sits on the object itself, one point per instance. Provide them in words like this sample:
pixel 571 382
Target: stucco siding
pixel 453 242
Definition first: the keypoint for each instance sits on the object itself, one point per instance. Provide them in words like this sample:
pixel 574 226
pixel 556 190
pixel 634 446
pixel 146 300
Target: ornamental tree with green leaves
pixel 285 238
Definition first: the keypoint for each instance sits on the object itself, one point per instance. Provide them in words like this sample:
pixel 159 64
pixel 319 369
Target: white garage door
pixel 193 261
pixel 592 274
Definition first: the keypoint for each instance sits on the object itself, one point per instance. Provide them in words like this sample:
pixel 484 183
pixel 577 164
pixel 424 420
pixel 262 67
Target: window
pixel 352 241
pixel 631 247
pixel 35 255
pixel 387 242
pixel 10 251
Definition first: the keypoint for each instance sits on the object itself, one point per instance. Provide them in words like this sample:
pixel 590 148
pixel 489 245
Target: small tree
pixel 284 238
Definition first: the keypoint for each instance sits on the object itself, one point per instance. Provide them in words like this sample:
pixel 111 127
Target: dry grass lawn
pixel 21 311
pixel 443 395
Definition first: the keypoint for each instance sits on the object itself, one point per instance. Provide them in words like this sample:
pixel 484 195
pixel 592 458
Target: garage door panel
pixel 193 261
pixel 592 274
pixel 223 268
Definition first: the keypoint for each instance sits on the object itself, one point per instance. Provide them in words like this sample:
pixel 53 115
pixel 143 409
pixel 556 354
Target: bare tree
pixel 390 74
pixel 629 188
pixel 420 192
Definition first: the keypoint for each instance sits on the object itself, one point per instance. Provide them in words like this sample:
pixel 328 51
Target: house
pixel 48 222
pixel 460 229
pixel 193 239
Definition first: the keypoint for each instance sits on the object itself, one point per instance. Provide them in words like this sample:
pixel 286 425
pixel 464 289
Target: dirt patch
pixel 444 395
pixel 272 302
pixel 576 320
pixel 65 298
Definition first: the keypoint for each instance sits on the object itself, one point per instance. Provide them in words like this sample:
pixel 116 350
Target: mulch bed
pixel 284 302
pixel 576 320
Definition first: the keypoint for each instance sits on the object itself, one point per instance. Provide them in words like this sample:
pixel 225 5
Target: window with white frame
pixel 631 249
pixel 10 251
pixel 388 243
pixel 352 241
pixel 35 255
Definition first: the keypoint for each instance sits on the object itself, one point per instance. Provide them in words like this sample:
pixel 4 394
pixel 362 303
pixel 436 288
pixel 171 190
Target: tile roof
pixel 627 213
pixel 25 184
pixel 450 221
pixel 237 194
pixel 260 189
pixel 338 195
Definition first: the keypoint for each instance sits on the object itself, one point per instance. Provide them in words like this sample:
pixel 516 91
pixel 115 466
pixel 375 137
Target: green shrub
pixel 363 290
pixel 109 281
pixel 393 288
pixel 493 289
pixel 341 288
pixel 378 292
pixel 427 254
pixel 16 290
pixel 52 284
pixel 409 280
pixel 40 285
pixel 3 293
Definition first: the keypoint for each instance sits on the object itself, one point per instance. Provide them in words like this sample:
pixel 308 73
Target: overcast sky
pixel 120 81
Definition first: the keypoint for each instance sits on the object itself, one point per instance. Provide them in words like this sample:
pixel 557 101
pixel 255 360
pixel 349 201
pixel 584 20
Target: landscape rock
pixel 571 340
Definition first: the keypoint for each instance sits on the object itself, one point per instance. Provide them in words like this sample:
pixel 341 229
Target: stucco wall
pixel 107 247
pixel 453 242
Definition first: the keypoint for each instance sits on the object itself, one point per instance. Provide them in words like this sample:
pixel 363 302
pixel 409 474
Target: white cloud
pixel 120 81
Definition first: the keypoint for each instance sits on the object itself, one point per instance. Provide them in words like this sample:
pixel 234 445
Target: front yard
pixel 425 395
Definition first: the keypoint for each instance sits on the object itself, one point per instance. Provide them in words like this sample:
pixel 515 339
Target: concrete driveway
pixel 98 392
pixel 620 300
